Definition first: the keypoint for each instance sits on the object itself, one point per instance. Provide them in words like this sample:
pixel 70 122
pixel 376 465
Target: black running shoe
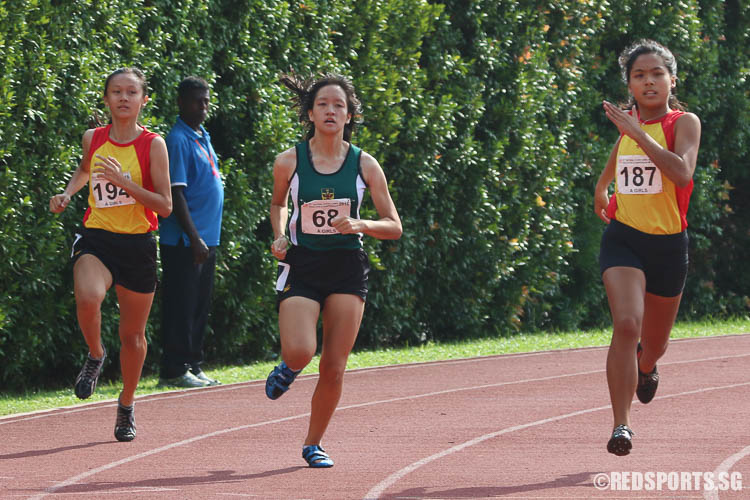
pixel 647 382
pixel 621 441
pixel 125 423
pixel 86 380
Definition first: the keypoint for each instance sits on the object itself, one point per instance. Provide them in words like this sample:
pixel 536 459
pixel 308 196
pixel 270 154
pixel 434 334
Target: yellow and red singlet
pixel 110 207
pixel 644 198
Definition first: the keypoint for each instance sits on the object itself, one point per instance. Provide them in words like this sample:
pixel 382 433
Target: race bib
pixel 637 174
pixel 107 194
pixel 317 215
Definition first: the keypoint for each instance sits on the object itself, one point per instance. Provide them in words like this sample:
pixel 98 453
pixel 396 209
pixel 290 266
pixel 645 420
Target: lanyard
pixel 210 159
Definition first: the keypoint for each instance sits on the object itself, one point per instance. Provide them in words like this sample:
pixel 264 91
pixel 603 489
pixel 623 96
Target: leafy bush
pixel 486 116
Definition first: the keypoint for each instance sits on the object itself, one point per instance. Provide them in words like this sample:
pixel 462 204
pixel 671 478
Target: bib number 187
pixel 637 174
pixel 637 177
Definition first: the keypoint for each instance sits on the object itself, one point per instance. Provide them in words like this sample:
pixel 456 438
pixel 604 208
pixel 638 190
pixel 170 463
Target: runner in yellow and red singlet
pixel 127 170
pixel 644 250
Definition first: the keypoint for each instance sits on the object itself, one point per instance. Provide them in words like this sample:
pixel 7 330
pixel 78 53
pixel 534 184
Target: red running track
pixel 515 426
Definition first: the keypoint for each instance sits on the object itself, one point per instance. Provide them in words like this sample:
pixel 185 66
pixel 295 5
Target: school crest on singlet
pixel 319 198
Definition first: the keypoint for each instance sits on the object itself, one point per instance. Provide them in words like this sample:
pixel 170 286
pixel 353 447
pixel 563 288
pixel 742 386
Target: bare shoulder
pixel 159 154
pixel 284 166
pixel 286 159
pixel 86 146
pixel 370 166
pixel 689 120
pixel 158 142
pixel 688 127
pixel 88 135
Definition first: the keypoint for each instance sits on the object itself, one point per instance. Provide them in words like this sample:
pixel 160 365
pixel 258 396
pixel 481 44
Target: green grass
pixel 432 351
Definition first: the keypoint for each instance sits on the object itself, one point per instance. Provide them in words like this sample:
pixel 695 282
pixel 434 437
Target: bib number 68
pixel 317 216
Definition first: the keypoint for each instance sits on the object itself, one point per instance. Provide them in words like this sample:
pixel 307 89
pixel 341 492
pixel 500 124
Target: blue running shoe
pixel 316 457
pixel 279 380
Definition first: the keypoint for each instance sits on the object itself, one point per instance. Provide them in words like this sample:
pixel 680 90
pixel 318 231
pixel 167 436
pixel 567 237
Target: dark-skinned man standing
pixel 188 239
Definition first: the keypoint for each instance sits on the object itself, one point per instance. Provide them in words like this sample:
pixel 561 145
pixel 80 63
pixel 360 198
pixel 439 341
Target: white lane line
pixel 191 392
pixel 382 486
pixel 154 451
pixel 725 467
pixel 66 410
pixel 89 473
pixel 73 480
pixel 183 393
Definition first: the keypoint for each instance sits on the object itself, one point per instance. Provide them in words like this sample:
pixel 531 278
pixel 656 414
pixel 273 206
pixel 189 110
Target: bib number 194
pixel 107 194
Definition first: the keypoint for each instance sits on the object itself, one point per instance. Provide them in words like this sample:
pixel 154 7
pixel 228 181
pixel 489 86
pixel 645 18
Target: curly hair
pixel 305 90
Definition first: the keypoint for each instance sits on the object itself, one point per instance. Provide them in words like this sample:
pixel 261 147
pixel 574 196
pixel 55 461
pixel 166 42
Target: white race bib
pixel 317 215
pixel 107 194
pixel 637 174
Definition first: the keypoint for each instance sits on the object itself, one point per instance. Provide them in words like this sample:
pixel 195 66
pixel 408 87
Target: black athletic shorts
pixel 316 274
pixel 663 258
pixel 131 258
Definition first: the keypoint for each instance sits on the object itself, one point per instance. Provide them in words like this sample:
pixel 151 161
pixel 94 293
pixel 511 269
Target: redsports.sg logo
pixel 668 481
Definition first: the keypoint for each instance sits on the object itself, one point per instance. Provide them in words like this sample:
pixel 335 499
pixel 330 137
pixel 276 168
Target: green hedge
pixel 486 116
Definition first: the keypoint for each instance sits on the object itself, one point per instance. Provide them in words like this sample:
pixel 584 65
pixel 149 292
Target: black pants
pixel 186 299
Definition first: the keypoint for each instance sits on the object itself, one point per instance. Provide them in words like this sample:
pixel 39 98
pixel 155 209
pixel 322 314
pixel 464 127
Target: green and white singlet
pixel 319 198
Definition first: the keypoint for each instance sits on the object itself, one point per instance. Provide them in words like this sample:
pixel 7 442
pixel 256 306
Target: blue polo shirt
pixel 193 164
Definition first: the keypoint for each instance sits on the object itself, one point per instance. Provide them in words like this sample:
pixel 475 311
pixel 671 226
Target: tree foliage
pixel 485 114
